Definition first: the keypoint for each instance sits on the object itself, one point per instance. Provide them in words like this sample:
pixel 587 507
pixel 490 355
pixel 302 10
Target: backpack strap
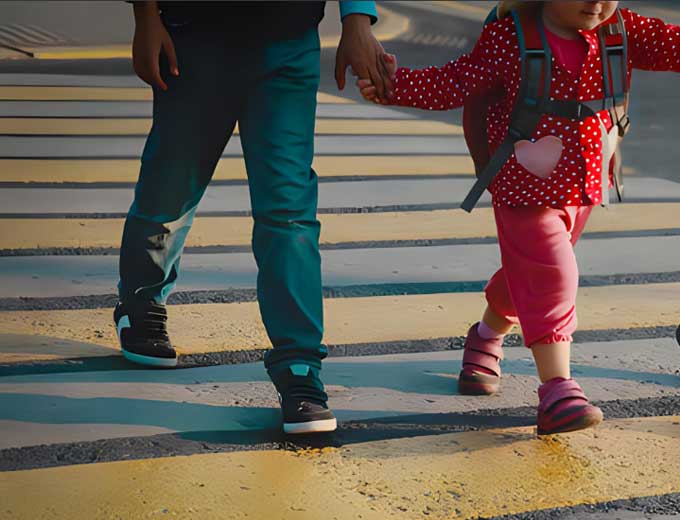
pixel 535 63
pixel 614 48
pixel 534 94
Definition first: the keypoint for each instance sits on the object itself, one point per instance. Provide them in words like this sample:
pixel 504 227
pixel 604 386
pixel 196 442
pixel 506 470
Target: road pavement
pixel 83 434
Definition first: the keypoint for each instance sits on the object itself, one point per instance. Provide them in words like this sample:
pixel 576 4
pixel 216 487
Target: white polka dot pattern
pixel 493 68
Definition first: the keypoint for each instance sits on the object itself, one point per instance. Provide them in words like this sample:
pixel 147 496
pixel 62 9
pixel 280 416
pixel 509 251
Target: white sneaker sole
pixel 149 361
pixel 326 425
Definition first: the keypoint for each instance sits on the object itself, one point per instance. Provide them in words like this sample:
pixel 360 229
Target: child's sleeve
pixel 447 87
pixel 652 44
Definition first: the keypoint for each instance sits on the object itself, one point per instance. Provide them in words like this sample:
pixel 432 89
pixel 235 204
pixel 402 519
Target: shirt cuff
pixel 366 7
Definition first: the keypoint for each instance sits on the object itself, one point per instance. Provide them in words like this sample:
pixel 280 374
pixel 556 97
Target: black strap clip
pixel 624 125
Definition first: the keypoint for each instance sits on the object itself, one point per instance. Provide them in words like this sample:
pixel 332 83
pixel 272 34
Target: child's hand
pixel 368 90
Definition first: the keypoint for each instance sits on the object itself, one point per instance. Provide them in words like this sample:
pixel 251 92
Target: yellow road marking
pixel 465 7
pixel 48 93
pixel 472 474
pixel 233 168
pixel 390 25
pixel 203 328
pixel 236 231
pixel 74 93
pixel 136 126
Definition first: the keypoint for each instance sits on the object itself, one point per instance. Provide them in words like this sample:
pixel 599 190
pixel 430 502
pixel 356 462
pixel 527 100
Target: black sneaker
pixel 304 415
pixel 143 334
pixel 302 398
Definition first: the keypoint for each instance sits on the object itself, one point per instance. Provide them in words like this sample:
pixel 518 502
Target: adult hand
pixel 360 50
pixel 150 39
pixel 366 87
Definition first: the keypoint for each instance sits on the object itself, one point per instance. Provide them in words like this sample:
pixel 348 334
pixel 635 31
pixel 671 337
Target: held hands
pixel 150 39
pixel 360 51
pixel 368 89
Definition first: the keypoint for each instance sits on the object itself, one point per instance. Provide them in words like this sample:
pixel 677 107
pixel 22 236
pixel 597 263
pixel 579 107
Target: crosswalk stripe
pixel 390 380
pixel 203 328
pixel 117 109
pixel 405 476
pixel 74 93
pixel 410 269
pixel 141 127
pixel 17 34
pixel 335 229
pixel 129 147
pixel 345 196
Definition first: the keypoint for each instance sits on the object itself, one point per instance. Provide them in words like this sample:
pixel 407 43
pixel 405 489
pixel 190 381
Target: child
pixel 544 189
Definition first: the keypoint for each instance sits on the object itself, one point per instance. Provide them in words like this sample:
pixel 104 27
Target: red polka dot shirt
pixel 493 66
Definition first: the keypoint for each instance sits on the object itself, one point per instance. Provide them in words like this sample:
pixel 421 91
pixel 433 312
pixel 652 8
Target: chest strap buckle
pixel 624 125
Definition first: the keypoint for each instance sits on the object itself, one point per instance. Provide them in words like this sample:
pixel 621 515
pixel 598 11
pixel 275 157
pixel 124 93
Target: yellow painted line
pixel 49 93
pixel 390 25
pixel 201 328
pixel 465 7
pixel 472 473
pixel 634 216
pixel 46 93
pixel 389 226
pixel 136 126
pixel 233 168
pixel 93 52
pixel 236 231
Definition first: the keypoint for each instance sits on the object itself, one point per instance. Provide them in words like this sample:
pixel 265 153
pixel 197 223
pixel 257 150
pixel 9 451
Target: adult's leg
pixel 277 134
pixel 192 122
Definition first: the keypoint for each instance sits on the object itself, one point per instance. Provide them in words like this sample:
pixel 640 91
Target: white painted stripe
pixel 144 109
pixel 34 32
pixel 52 36
pixel 356 194
pixel 20 34
pixel 83 275
pixel 131 147
pixel 9 38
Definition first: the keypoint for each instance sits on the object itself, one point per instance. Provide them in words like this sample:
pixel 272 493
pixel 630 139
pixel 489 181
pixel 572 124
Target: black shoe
pixel 143 334
pixel 304 415
pixel 302 398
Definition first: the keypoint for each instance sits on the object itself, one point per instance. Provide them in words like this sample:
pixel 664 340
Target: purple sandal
pixel 563 407
pixel 481 374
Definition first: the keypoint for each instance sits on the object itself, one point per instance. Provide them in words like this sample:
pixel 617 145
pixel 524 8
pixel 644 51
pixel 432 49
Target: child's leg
pixel 552 360
pixel 500 314
pixel 481 373
pixel 542 275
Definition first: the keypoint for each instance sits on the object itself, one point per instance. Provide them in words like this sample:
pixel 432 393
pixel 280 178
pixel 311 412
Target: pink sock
pixel 487 332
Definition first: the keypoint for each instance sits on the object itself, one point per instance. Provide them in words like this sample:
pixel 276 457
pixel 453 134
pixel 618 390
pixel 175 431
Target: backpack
pixel 532 101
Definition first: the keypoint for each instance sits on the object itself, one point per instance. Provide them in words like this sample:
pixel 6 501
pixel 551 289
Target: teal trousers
pixel 269 88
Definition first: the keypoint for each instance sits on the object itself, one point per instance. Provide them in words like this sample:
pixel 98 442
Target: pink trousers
pixel 537 283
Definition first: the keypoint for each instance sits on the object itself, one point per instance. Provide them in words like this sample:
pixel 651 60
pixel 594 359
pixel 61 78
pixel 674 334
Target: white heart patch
pixel 541 157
